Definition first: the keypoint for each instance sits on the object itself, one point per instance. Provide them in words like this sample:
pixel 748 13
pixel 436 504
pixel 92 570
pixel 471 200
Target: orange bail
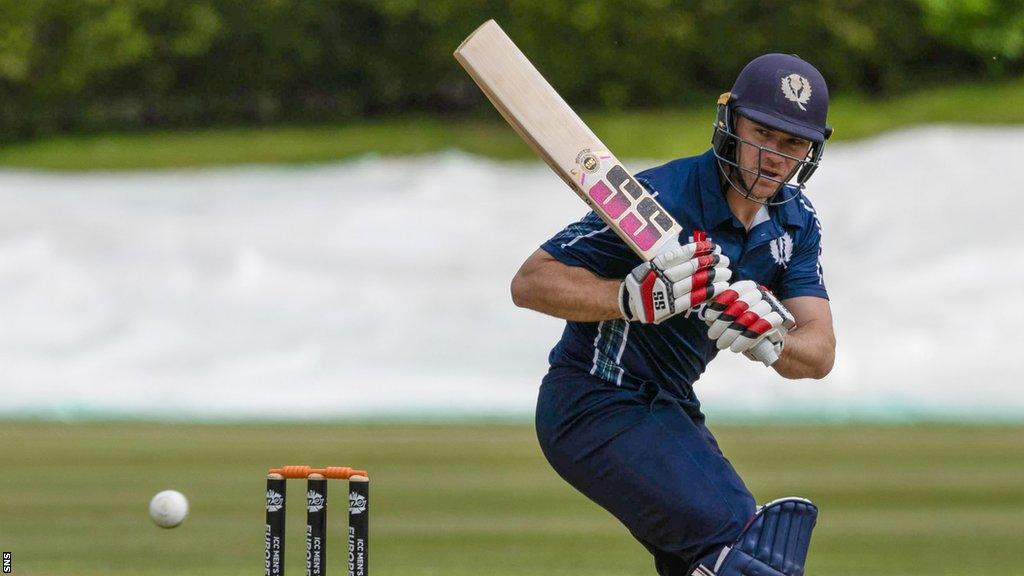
pixel 333 472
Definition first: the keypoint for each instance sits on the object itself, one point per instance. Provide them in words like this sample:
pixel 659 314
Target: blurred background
pixel 237 235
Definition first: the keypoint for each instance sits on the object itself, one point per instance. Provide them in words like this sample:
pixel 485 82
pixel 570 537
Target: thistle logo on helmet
pixel 797 89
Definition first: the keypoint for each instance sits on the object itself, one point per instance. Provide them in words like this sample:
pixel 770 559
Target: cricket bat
pixel 558 135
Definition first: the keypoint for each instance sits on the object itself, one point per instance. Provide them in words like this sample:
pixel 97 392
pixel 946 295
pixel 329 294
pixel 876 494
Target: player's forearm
pixel 571 293
pixel 809 352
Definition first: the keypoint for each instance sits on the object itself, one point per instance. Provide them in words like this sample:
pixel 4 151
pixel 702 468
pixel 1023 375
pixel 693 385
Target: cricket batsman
pixel 617 416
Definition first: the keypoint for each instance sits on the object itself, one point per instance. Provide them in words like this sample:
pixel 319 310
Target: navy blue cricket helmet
pixel 784 93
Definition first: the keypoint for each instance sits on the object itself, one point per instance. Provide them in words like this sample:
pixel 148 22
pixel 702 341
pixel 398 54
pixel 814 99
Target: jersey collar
pixel 714 208
pixel 790 213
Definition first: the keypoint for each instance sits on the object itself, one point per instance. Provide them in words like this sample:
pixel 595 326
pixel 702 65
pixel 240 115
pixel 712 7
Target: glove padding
pixel 744 317
pixel 677 279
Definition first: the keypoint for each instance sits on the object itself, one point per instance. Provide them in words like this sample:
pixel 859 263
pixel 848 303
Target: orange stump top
pixel 332 472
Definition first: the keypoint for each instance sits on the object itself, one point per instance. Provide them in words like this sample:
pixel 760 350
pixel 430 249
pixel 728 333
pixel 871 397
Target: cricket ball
pixel 168 508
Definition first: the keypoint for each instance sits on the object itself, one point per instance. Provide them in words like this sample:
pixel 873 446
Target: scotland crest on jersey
pixel 782 249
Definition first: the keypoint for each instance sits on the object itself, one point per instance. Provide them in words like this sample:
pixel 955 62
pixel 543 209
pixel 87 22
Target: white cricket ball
pixel 168 508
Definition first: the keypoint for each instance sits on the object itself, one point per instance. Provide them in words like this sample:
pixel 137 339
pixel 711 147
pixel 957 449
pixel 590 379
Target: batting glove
pixel 748 318
pixel 677 279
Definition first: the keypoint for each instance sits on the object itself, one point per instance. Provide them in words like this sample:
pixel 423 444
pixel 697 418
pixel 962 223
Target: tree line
pixel 84 65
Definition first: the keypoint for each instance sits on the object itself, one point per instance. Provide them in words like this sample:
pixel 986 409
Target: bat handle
pixel 765 352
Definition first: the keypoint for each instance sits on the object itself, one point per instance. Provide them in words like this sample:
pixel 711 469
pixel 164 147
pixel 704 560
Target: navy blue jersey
pixel 781 251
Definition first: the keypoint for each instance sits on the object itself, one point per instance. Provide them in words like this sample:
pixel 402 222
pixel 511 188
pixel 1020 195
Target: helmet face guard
pixel 726 143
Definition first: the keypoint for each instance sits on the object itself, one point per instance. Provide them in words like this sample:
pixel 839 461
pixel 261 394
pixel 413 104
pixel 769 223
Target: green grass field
pixel 650 134
pixel 474 500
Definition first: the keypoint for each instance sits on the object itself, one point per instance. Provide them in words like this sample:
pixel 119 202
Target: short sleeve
pixel 804 275
pixel 591 244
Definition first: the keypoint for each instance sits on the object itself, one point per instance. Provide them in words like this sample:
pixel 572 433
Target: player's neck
pixel 744 209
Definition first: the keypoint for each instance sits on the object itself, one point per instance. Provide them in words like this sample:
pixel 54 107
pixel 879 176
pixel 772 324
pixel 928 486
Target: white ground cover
pixel 379 287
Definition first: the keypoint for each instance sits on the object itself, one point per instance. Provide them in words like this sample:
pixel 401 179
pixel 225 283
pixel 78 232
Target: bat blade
pixel 558 135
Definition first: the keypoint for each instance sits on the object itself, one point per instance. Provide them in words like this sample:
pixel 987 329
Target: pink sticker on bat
pixel 600 192
pixel 630 224
pixel 647 238
pixel 644 237
pixel 613 202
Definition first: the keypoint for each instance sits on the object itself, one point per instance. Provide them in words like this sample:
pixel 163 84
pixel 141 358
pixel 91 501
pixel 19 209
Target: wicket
pixel 316 518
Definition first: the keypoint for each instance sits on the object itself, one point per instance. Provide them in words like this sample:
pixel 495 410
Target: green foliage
pixel 115 64
pixel 991 29
pixel 667 133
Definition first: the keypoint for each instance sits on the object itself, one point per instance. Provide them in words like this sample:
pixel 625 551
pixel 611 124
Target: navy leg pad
pixel 774 543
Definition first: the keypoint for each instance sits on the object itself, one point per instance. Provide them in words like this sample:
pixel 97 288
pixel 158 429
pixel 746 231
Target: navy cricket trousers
pixel 639 455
